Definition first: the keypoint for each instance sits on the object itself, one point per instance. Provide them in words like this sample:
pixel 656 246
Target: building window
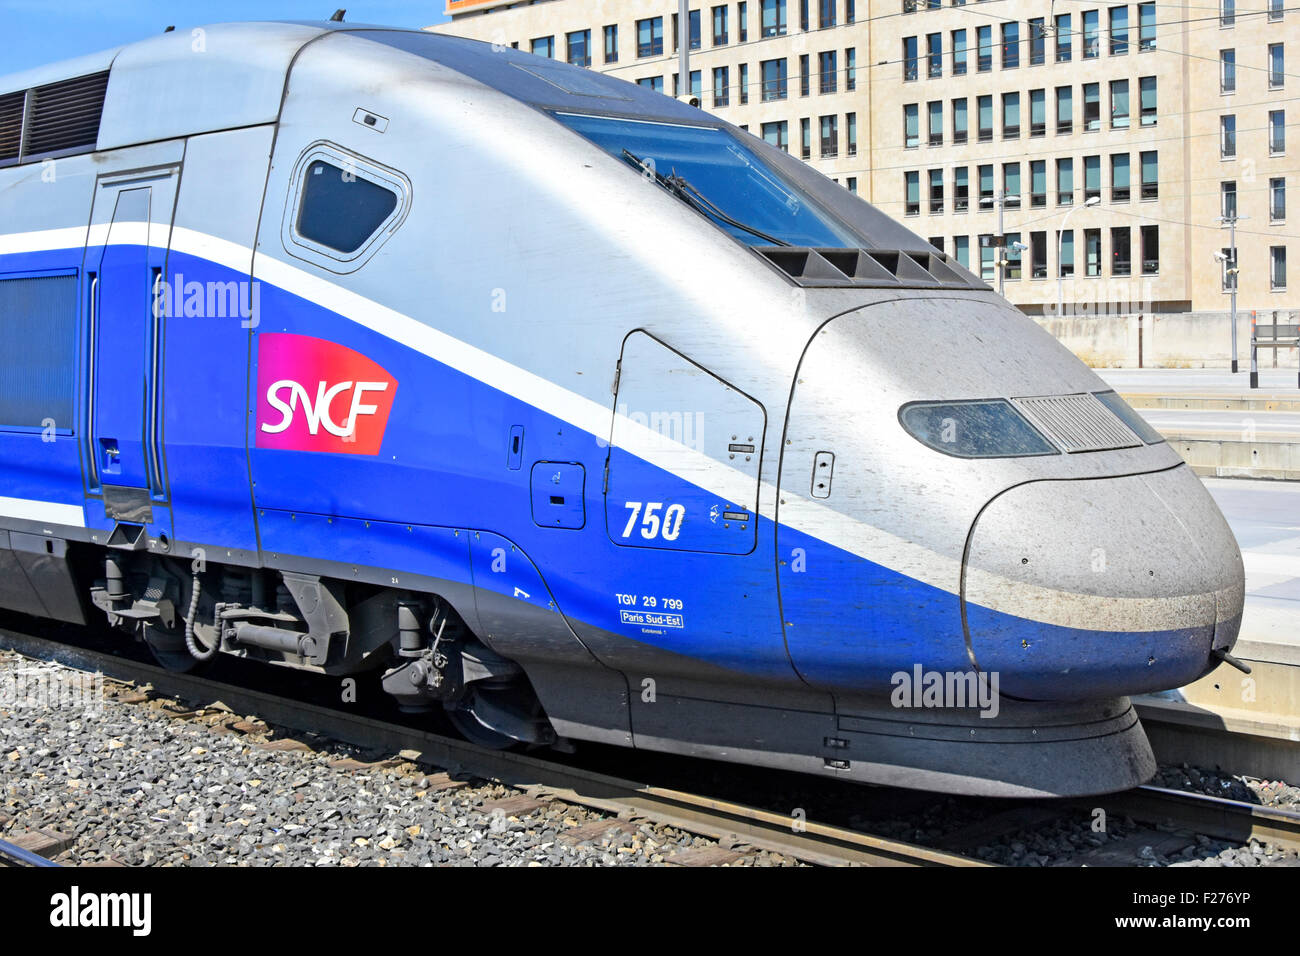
pixel 960 122
pixel 1228 199
pixel 1065 267
pixel 805 138
pixel 1276 132
pixel 1010 115
pixel 543 46
pixel 1275 9
pixel 1091 107
pixel 742 21
pixel 1227 270
pixel 1277 199
pixel 960 189
pixel 1147 97
pixel 1227 71
pixel 912 187
pixel 829 71
pixel 909 58
pixel 1011 185
pixel 803 15
pixel 744 83
pixel 830 137
pixel 692 24
pixel 720 25
pixel 986 188
pixel 1119 177
pixel 1150 175
pixel 1091 177
pixel 1227 136
pixel 984 41
pixel 1091 34
pixel 1012 256
pixel 1277 268
pixel 851 134
pixel 1065 182
pixel 721 82
pixel 1038 255
pixel 773 79
pixel 1038 183
pixel 777 134
pixel 579 47
pixel 1118 31
pixel 1227 12
pixel 1064 110
pixel 805 71
pixel 1276 66
pixel 773 18
pixel 1119 118
pixel 1092 252
pixel 934 55
pixel 1037 42
pixel 851 183
pixel 1037 112
pixel 1150 250
pixel 937 242
pixel 988 258
pixel 958 52
pixel 935 111
pixel 1146 26
pixel 1121 251
pixel 850 69
pixel 961 250
pixel 655 83
pixel 650 37
pixel 850 12
pixel 936 191
pixel 611 43
pixel 984 108
pixel 911 125
pixel 826 14
pixel 1010 46
pixel 1064 38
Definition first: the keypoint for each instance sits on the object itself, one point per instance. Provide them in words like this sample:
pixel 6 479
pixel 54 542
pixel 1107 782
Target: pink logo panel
pixel 316 395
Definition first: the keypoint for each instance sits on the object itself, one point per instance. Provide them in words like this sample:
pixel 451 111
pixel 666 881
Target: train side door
pixel 126 255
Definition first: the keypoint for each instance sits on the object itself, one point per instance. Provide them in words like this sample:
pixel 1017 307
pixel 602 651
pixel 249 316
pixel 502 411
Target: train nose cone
pixel 1091 588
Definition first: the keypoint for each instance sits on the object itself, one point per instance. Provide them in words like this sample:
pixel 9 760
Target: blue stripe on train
pixel 444 464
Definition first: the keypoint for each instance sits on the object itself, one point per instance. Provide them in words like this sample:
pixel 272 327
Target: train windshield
pixel 715 174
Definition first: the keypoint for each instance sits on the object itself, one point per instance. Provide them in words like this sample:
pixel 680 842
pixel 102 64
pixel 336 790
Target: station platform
pixel 1220 425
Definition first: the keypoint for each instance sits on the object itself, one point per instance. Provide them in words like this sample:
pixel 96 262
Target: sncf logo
pixel 315 395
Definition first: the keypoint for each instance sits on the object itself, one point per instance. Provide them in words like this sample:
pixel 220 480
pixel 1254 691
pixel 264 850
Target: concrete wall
pixel 1179 340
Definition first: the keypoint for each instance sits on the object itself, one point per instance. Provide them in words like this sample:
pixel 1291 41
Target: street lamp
pixel 1060 239
pixel 1231 222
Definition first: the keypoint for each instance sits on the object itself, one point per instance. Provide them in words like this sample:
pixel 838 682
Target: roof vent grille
pixel 878 268
pixel 65 115
pixel 11 124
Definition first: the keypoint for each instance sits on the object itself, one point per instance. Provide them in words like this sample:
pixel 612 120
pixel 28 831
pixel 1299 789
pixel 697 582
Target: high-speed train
pixel 572 410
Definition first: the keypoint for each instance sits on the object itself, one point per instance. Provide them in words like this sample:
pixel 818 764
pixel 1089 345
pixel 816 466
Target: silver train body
pixel 679 486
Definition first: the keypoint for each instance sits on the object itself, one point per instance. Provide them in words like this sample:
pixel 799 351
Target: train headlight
pixel 984 428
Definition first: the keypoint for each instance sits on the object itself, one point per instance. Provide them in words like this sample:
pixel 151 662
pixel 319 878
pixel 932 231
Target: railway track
pixel 812 842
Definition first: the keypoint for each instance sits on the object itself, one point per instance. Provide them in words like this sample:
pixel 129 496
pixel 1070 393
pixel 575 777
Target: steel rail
pixel 11 855
pixel 808 841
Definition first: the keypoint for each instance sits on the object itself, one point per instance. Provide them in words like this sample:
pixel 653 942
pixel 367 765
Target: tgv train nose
pixel 1099 587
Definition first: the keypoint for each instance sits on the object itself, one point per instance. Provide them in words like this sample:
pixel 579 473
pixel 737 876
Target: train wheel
pixel 168 647
pixel 500 719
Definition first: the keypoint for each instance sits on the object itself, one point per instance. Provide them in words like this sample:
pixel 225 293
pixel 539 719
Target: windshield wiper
pixel 683 190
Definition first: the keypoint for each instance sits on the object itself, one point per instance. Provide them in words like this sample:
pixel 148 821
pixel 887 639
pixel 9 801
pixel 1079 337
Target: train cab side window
pixel 344 208
pixel 340 209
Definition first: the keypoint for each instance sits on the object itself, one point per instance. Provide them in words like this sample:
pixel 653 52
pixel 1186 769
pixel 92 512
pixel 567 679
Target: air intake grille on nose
pixel 1077 422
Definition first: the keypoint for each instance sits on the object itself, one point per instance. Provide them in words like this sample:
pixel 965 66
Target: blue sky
pixel 33 32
